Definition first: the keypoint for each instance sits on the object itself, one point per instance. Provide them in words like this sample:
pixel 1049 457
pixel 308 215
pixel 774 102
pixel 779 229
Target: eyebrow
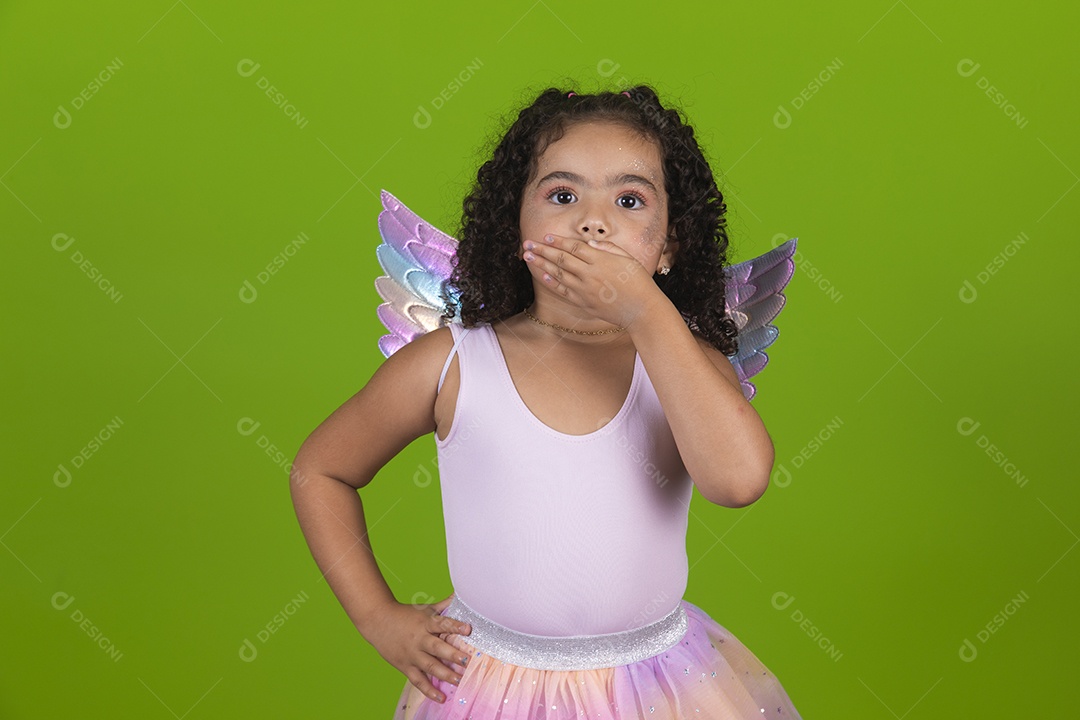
pixel 612 180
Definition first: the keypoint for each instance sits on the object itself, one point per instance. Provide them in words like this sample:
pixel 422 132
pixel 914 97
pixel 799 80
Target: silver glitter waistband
pixel 574 652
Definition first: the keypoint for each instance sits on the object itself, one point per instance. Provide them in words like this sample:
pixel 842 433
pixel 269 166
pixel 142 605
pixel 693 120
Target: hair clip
pixel 571 94
pixel 627 94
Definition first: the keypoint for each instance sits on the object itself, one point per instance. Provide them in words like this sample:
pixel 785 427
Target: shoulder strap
pixel 459 332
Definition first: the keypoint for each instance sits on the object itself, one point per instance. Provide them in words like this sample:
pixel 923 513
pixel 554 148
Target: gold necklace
pixel 569 330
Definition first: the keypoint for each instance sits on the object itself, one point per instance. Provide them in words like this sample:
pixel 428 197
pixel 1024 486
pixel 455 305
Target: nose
pixel 593 222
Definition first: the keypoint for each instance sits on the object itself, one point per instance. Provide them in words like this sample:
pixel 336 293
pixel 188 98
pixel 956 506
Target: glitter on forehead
pixel 641 166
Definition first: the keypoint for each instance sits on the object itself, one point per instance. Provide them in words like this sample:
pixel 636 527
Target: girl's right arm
pixel 342 455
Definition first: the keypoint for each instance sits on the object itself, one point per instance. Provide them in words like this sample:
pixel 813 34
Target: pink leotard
pixel 556 534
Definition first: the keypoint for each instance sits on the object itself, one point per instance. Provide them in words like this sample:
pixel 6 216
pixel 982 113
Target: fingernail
pixel 548 238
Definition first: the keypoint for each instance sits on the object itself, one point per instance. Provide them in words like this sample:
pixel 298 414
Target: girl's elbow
pixel 750 492
pixel 732 493
pixel 740 486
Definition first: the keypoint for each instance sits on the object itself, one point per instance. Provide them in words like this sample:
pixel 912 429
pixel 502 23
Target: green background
pixel 894 534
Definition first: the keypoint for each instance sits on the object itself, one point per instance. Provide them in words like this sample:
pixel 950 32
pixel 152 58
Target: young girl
pixel 584 394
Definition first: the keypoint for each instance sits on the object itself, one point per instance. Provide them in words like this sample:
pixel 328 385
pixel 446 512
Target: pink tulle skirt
pixel 708 673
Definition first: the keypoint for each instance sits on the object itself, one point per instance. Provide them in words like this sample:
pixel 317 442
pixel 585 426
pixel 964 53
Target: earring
pixel 664 270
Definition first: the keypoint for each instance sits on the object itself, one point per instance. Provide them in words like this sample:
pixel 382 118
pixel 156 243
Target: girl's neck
pixel 525 328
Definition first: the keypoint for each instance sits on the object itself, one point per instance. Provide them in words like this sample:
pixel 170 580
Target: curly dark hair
pixel 494 283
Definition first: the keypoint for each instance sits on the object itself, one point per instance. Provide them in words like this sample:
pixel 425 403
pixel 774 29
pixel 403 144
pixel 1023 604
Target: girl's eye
pixel 561 196
pixel 628 201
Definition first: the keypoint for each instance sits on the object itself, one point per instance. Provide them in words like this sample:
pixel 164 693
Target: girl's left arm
pixel 721 438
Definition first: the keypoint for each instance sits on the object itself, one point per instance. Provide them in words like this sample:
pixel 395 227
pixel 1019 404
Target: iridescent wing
pixel 754 296
pixel 418 260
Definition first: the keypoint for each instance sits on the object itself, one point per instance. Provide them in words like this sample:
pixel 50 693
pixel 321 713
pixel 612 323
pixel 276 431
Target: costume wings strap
pixel 418 260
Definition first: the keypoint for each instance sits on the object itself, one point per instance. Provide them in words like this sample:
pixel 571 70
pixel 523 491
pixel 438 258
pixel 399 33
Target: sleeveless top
pixel 555 534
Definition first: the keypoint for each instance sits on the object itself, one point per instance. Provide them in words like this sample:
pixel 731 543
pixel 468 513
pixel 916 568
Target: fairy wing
pixel 753 291
pixel 418 260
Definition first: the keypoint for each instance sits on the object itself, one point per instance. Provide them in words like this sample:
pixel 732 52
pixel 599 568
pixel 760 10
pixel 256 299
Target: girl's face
pixel 601 180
